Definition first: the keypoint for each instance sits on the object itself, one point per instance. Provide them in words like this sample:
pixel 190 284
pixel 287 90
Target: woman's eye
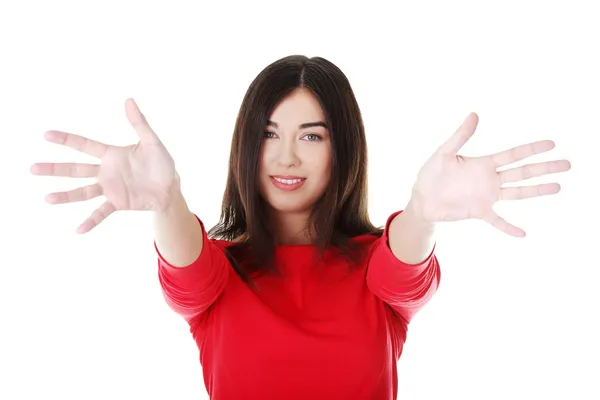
pixel 269 135
pixel 312 137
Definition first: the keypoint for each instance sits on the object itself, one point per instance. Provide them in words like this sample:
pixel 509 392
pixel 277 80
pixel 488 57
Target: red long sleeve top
pixel 316 333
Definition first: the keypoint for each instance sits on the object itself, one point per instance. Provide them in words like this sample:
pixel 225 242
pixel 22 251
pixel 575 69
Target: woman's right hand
pixel 135 177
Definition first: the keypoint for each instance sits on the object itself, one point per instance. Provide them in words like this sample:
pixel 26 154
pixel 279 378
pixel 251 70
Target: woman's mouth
pixel 287 183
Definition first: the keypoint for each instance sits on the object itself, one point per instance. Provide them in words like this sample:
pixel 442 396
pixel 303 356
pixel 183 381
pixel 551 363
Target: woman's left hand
pixel 451 187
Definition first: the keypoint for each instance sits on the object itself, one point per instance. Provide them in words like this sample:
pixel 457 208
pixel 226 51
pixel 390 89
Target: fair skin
pixel 295 146
pixel 449 186
pixel 135 177
pixel 452 187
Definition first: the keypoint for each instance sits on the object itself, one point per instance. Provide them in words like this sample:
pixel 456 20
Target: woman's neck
pixel 290 228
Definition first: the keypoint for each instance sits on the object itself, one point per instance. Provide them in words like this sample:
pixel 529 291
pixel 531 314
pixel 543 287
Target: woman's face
pixel 296 154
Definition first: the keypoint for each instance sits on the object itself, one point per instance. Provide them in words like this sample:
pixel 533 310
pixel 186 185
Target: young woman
pixel 295 294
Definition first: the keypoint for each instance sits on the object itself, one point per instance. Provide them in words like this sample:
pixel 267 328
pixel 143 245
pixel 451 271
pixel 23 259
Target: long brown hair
pixel 341 213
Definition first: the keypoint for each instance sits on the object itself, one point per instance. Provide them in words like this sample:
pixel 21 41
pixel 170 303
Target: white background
pixel 82 316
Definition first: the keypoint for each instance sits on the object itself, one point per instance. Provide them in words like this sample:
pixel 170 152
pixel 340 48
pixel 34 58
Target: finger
pixel 501 224
pixel 521 152
pixel 72 170
pixel 139 122
pixel 79 194
pixel 79 143
pixel 461 136
pixel 97 216
pixel 534 170
pixel 527 192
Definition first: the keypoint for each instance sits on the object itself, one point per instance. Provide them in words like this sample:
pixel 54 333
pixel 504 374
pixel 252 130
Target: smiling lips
pixel 286 182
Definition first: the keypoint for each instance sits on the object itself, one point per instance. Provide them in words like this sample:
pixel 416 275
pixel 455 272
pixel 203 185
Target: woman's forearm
pixel 177 231
pixel 411 238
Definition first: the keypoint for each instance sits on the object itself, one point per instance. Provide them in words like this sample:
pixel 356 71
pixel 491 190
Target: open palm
pixel 135 177
pixel 451 187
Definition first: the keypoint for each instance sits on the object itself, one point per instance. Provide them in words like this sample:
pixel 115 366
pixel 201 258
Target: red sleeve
pixel 406 288
pixel 190 290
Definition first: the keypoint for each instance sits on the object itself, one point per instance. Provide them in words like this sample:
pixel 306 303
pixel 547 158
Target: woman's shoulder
pixel 366 238
pixel 222 243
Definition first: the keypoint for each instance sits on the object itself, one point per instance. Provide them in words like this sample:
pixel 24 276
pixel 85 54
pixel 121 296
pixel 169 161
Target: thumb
pixel 461 135
pixel 139 123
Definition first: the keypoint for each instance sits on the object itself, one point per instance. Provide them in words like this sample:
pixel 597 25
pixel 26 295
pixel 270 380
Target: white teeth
pixel 288 181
